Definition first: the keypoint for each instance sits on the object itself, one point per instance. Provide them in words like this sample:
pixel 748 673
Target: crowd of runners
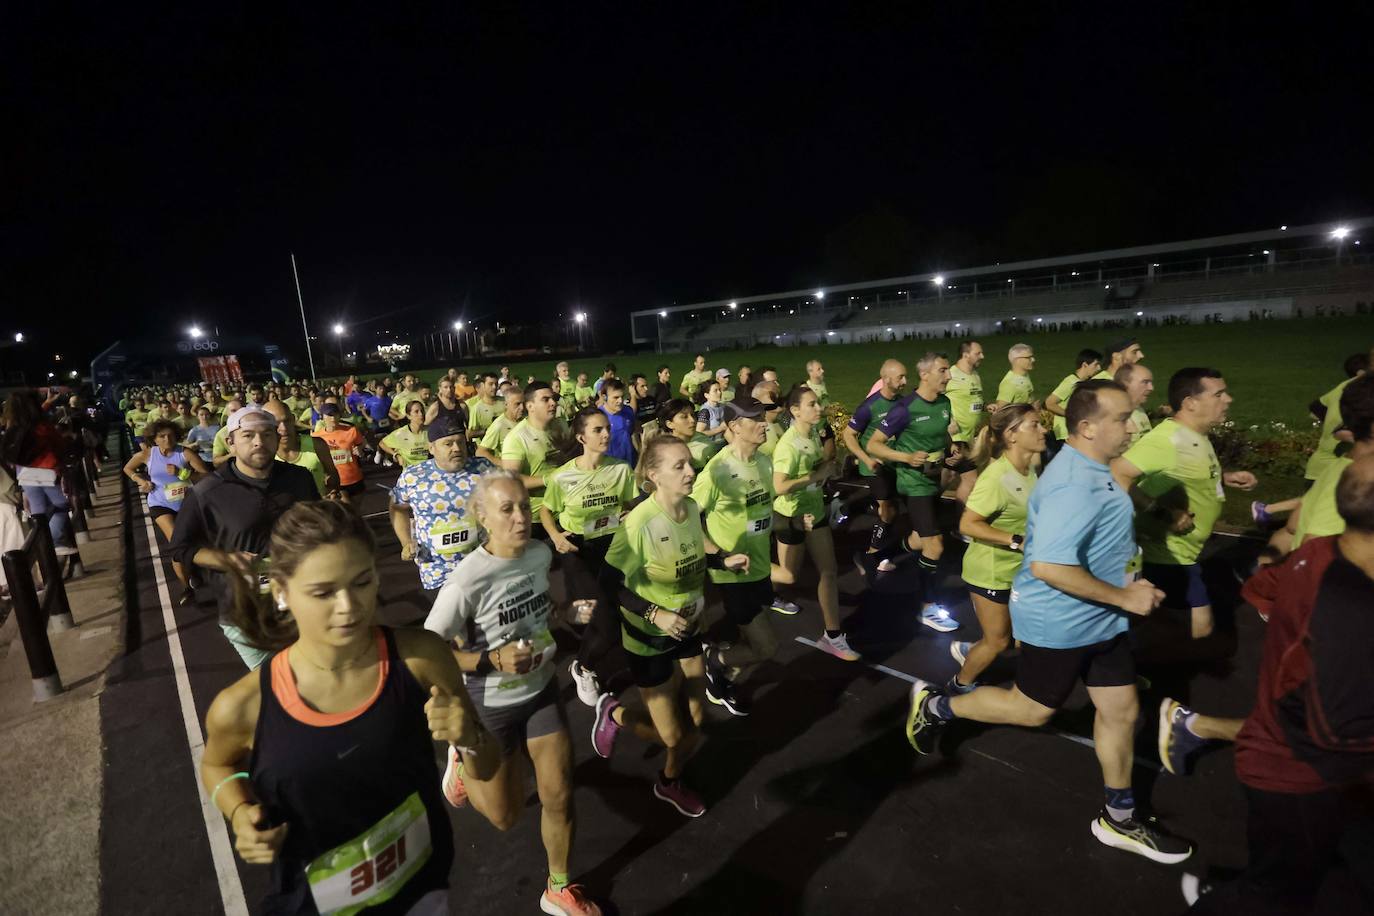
pixel 664 521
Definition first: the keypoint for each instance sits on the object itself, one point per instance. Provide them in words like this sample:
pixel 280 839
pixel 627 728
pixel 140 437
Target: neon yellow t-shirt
pixel 702 448
pixel 736 497
pixel 496 433
pixel 797 456
pixel 481 414
pixel 589 503
pixel 411 447
pixel 965 393
pixel 1327 443
pixel 1141 420
pixel 1180 470
pixel 1318 516
pixel 530 447
pixel 1016 389
pixel 664 562
pixel 1064 391
pixel 1000 496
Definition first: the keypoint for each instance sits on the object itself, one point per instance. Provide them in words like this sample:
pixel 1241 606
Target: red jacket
pixel 1312 727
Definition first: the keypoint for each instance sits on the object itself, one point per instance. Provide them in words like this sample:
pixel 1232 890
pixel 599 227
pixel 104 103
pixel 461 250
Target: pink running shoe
pixel 570 901
pixel 838 647
pixel 679 796
pixel 454 790
pixel 605 729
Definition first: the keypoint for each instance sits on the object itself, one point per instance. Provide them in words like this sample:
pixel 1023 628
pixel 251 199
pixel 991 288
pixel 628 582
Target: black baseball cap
pixel 1124 343
pixel 744 406
pixel 445 425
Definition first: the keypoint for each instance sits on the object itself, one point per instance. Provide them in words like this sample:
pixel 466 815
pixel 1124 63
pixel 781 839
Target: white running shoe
pixel 960 650
pixel 588 689
pixel 839 647
pixel 938 619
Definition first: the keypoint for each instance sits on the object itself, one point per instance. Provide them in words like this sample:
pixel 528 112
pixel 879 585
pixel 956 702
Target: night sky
pixel 534 159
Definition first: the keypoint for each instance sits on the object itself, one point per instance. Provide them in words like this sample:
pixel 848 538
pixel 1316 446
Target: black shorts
pixel 159 511
pixel 1181 584
pixel 883 484
pixel 791 529
pixel 963 465
pixel 655 670
pixel 536 717
pixel 995 595
pixel 354 489
pixel 744 600
pixel 1048 676
pixel 923 513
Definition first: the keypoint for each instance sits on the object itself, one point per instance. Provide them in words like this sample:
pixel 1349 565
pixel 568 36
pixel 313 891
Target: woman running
pixel 799 520
pixel 495 607
pixel 171 471
pixel 660 555
pixel 409 444
pixel 345 448
pixel 678 418
pixel 583 502
pixel 995 519
pixel 322 759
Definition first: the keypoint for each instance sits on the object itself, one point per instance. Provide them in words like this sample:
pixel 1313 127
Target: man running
pixel 1087 365
pixel 965 393
pixel 1139 382
pixel 495 436
pixel 815 380
pixel 526 449
pixel 1177 483
pixel 429 506
pixel 483 407
pixel 225 522
pixel 692 379
pixel 881 478
pixel 623 425
pixel 918 429
pixel 1070 603
pixel 1016 386
pixel 1121 353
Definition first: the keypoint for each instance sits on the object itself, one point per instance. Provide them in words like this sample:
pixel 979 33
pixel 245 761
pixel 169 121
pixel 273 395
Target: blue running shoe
pixel 938 619
pixel 786 607
pixel 959 651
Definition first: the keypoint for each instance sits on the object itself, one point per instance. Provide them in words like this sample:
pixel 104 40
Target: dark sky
pixel 158 167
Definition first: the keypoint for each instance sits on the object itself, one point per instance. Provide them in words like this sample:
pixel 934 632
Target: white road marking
pixel 230 888
pixel 911 679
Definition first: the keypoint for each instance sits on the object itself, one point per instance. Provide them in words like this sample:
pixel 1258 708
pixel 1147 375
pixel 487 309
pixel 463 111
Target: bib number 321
pixel 372 867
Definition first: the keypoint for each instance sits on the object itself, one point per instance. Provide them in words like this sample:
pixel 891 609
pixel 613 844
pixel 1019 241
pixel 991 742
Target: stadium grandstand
pixel 1288 271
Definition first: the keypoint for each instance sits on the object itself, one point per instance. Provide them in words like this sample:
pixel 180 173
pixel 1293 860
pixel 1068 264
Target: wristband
pixel 229 778
pixel 715 561
pixel 484 663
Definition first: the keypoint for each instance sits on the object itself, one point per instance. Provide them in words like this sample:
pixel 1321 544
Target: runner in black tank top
pixel 335 777
pixel 331 741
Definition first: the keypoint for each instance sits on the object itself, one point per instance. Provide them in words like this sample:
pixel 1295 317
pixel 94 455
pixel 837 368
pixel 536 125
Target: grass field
pixel 1274 369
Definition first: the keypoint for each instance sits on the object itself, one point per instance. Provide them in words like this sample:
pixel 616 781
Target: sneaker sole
pixel 604 698
pixel 1117 841
pixel 1165 732
pixel 679 808
pixel 835 653
pixel 577 682
pixel 937 626
pixel 553 909
pixel 956 654
pixel 912 712
pixel 786 612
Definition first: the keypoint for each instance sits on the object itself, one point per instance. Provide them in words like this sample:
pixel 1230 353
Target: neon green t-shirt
pixel 137 420
pixel 692 379
pixel 411 448
pixel 1141 420
pixel 965 393
pixel 771 437
pixel 1063 391
pixel 589 503
pixel 1000 496
pixel 1180 470
pixel 736 497
pixel 401 401
pixel 1016 389
pixel 1327 443
pixel 702 449
pixel 1318 516
pixel 496 433
pixel 664 562
pixel 821 391
pixel 481 414
pixel 220 447
pixel 530 447
pixel 797 456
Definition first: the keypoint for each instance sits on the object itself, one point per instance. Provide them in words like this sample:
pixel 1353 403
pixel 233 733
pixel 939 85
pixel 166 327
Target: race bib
pixel 606 524
pixel 449 539
pixel 759 526
pixel 175 491
pixel 1134 566
pixel 341 455
pixel 542 650
pixel 690 612
pixel 976 407
pixel 372 867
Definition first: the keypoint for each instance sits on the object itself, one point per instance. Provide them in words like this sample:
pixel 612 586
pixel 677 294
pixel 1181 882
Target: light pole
pixel 658 325
pixel 939 281
pixel 581 320
pixel 338 335
pixel 458 326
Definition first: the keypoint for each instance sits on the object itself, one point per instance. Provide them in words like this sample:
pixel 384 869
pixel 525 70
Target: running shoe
pixel 838 646
pixel 605 729
pixel 837 514
pixel 956 689
pixel 570 901
pixel 1176 743
pixel 938 619
pixel 1260 513
pixel 1142 836
pixel 922 729
pixel 588 690
pixel 679 796
pixel 454 790
pixel 188 597
pixel 719 689
pixel 886 566
pixel 959 650
pixel 788 608
pixel 1193 887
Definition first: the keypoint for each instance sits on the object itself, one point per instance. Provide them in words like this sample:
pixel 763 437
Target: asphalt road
pixel 817 804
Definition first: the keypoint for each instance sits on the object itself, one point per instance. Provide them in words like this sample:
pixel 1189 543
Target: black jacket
pixel 230 512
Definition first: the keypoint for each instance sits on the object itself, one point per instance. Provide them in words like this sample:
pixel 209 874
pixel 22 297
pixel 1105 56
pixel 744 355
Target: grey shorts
pixel 538 716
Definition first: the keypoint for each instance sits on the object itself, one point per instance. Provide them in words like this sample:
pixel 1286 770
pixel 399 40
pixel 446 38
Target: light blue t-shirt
pixel 1077 516
pixel 203 438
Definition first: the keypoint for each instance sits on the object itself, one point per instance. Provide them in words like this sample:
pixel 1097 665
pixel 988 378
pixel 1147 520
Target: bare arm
pixel 515 464
pixel 976 526
pixel 878 448
pixel 1139 597
pixel 401 518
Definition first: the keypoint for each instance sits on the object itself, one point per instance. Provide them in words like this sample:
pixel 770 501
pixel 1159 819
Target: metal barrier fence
pixel 38 613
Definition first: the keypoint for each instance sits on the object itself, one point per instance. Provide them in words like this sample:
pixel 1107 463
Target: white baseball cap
pixel 249 418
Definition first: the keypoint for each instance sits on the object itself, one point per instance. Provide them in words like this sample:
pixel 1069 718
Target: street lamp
pixel 195 331
pixel 658 326
pixel 338 334
pixel 820 294
pixel 581 319
pixel 18 336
